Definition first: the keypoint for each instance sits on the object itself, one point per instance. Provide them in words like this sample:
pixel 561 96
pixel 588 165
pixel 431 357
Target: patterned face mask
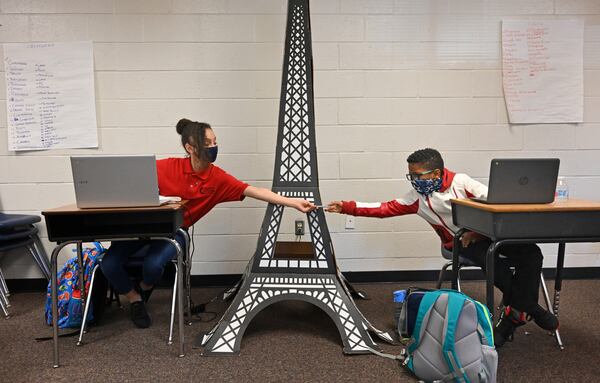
pixel 426 187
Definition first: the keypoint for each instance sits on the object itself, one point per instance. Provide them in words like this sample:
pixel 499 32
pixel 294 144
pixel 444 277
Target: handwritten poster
pixel 542 70
pixel 50 96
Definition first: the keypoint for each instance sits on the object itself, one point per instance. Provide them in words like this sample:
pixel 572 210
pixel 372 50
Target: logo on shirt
pixel 207 190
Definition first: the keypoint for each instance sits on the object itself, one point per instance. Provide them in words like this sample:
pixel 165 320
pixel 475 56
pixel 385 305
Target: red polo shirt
pixel 203 189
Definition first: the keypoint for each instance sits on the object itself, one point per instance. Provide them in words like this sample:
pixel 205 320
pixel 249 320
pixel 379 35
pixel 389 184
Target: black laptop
pixel 522 180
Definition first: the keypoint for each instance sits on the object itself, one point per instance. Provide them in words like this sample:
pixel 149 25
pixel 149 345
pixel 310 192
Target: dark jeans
pixel 152 254
pixel 520 288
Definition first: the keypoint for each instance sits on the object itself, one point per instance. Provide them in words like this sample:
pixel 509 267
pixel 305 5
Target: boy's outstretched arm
pixel 406 205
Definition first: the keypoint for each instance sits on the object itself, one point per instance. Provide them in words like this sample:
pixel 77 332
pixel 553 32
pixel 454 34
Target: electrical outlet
pixel 299 227
pixel 350 222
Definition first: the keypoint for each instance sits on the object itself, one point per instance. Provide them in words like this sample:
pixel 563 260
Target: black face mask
pixel 212 153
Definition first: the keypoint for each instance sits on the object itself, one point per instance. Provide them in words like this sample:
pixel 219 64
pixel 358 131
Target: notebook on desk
pixel 522 180
pixel 115 181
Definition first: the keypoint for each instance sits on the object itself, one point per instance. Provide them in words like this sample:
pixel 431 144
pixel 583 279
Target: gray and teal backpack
pixel 451 337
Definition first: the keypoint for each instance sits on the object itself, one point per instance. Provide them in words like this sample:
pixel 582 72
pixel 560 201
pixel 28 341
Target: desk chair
pixel 20 226
pixel 187 266
pixel 462 262
pixel 465 262
pixel 17 231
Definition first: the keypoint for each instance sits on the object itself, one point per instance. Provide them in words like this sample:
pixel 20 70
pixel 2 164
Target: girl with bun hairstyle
pixel 194 178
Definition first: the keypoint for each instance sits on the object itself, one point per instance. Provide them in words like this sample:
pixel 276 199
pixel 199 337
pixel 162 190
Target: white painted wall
pixel 390 77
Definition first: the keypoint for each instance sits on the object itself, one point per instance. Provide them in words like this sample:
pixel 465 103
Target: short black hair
pixel 430 158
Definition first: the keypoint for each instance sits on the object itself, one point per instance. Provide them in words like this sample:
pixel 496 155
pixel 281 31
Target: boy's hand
pixel 303 205
pixel 470 237
pixel 334 207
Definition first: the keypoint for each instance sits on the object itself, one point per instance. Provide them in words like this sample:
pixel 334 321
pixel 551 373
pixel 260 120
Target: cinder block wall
pixel 390 77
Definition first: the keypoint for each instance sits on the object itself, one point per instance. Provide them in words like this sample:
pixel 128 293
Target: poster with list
pixel 542 70
pixel 50 101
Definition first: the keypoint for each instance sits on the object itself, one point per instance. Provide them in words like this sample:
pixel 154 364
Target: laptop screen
pixel 115 181
pixel 523 180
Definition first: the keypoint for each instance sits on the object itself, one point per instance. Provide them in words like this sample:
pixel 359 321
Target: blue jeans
pixel 153 255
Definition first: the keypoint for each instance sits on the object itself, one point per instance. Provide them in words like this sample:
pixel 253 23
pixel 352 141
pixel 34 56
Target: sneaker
pixel 544 318
pixel 504 331
pixel 139 315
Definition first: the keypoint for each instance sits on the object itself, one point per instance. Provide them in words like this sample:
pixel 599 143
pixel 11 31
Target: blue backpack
pixel 70 310
pixel 451 337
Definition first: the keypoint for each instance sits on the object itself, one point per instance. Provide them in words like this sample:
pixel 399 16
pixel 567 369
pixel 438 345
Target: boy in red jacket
pixel 433 187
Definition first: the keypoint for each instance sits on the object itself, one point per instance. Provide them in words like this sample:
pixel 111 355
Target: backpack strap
pixel 425 308
pixel 400 357
pixel 63 335
pixel 484 327
pixel 99 247
pixel 453 310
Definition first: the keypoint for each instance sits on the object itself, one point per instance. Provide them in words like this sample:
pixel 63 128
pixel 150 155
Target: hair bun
pixel 181 125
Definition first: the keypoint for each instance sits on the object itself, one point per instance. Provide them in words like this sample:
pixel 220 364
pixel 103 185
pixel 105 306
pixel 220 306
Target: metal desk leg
pixel 54 272
pixel 81 272
pixel 455 252
pixel 187 275
pixel 54 284
pixel 556 332
pixel 87 307
pixel 560 263
pixel 180 312
pixel 489 275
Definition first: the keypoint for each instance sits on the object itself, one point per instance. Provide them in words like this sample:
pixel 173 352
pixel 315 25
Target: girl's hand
pixel 303 205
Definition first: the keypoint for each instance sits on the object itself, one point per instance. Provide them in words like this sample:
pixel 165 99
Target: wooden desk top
pixel 556 206
pixel 73 209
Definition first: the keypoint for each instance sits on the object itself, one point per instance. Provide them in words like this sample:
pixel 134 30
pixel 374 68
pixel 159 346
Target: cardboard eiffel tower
pixel 268 280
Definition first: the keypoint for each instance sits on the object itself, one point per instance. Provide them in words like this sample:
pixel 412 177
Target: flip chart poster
pixel 50 99
pixel 542 70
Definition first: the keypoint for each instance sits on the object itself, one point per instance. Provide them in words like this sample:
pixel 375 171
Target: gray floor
pixel 289 341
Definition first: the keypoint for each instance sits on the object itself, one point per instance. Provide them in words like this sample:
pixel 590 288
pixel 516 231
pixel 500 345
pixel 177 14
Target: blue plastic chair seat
pixel 10 221
pixel 447 254
pixel 18 234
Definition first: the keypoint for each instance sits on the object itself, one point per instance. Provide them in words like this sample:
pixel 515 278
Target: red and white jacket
pixel 435 209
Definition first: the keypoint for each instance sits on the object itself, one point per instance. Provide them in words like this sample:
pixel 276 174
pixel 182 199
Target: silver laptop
pixel 522 180
pixel 115 181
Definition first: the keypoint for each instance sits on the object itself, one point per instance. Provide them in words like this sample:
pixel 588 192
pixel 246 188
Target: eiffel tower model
pixel 268 279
